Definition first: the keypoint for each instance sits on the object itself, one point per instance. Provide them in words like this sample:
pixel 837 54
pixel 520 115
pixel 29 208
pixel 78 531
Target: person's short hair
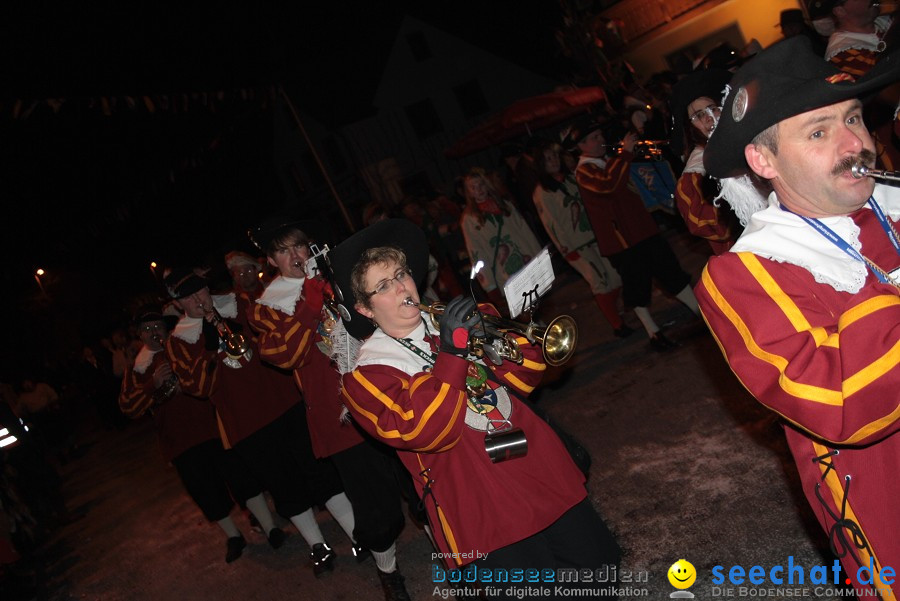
pixel 285 237
pixel 767 138
pixel 380 255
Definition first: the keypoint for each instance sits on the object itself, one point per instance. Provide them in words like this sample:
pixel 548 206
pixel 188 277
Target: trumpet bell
pixel 558 340
pixel 236 345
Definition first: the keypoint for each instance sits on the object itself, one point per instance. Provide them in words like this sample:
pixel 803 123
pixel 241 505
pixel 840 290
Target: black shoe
pixel 360 553
pixel 276 537
pixel 661 344
pixel 235 546
pixel 394 589
pixel 623 332
pixel 322 559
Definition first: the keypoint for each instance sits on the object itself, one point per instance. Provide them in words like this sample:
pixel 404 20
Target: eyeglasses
pixel 153 328
pixel 712 110
pixel 384 286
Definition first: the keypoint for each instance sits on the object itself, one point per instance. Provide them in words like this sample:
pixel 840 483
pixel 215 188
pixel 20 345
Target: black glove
pixel 458 320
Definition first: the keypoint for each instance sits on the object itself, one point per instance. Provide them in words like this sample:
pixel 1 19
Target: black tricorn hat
pixel 791 16
pixel 278 224
pixel 149 313
pixel 400 233
pixel 578 130
pixel 784 80
pixel 820 8
pixel 184 281
pixel 709 83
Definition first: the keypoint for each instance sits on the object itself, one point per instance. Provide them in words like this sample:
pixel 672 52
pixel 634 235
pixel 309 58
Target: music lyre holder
pixel 530 300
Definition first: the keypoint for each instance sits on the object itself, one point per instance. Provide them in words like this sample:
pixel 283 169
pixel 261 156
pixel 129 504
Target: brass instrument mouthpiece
pixel 858 170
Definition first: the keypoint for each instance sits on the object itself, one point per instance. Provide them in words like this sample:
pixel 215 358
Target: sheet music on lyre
pixel 535 277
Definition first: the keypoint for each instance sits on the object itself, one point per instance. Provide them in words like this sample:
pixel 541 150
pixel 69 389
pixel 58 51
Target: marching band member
pixel 188 436
pixel 805 305
pixel 695 99
pixel 626 232
pixel 413 389
pixel 257 408
pixel 290 322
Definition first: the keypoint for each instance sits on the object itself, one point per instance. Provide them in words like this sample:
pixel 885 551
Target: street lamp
pixel 37 277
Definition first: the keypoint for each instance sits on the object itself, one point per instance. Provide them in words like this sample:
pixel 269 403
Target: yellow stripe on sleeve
pixel 865 309
pixel 460 406
pixel 808 392
pixel 784 302
pixel 384 399
pixel 439 399
pixel 518 383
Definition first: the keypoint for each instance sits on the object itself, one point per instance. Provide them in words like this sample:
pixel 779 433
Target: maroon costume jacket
pixel 827 361
pixel 615 210
pixel 182 421
pixel 474 506
pixel 291 342
pixel 246 398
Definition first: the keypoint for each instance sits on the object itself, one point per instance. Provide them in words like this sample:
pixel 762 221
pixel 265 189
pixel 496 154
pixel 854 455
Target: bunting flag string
pixel 21 109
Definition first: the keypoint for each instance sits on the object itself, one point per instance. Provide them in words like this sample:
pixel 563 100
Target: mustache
pixel 865 156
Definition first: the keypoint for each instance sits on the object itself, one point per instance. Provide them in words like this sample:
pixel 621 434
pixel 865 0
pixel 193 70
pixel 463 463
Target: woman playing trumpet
pixel 409 389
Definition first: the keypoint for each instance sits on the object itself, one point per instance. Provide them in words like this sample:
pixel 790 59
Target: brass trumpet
pixel 170 386
pixel 647 150
pixel 236 344
pixel 557 339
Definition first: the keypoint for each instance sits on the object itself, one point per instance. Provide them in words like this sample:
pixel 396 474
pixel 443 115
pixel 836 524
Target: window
pixel 424 118
pixel 418 45
pixel 471 99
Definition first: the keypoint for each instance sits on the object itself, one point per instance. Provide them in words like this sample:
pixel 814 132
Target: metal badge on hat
pixel 741 101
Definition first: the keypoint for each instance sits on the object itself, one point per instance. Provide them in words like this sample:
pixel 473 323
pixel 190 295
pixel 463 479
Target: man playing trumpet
pixel 805 305
pixel 291 320
pixel 257 408
pixel 188 435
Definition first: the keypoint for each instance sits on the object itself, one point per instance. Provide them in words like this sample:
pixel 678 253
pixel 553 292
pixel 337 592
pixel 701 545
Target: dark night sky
pixel 83 193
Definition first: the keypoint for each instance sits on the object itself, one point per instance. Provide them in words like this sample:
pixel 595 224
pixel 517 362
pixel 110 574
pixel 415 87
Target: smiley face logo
pixel 682 574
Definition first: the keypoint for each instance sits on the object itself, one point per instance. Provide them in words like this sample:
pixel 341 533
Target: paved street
pixel 686 464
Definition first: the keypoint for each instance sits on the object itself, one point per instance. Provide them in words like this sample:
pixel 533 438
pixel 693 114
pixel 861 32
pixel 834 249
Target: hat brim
pixel 169 320
pixel 262 234
pixel 399 233
pixel 184 282
pixel 578 131
pixel 785 80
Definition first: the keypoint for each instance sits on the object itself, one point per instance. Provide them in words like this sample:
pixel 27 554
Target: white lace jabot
pixel 189 328
pixel 282 294
pixel 784 237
